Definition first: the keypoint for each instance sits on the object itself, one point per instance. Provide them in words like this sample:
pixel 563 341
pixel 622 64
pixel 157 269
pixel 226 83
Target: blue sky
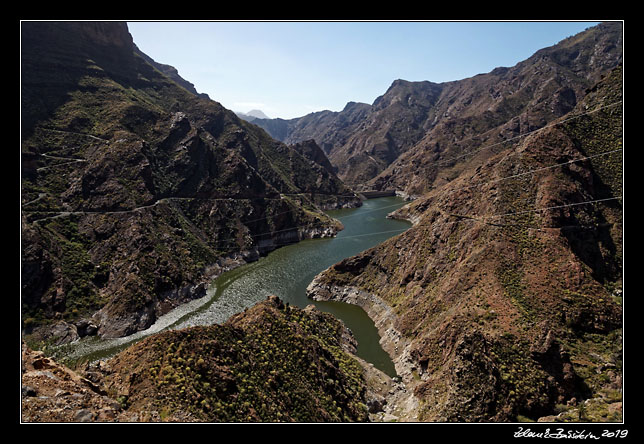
pixel 289 69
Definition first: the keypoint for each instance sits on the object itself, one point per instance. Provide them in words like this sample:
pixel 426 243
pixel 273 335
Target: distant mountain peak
pixel 257 113
pixel 252 115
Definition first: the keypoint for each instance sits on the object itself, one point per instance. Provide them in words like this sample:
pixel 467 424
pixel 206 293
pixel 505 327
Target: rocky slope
pixel 504 104
pixel 503 301
pixel 310 150
pixel 52 392
pixel 398 141
pixel 271 363
pixel 135 190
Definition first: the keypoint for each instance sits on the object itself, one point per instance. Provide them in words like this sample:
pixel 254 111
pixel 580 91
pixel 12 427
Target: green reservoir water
pixel 285 272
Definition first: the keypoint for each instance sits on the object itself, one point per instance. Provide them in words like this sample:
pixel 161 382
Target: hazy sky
pixel 289 69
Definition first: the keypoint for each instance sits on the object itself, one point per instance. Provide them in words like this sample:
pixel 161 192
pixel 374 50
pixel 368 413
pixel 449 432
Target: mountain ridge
pixel 171 72
pixel 114 149
pixel 385 146
pixel 306 372
pixel 503 300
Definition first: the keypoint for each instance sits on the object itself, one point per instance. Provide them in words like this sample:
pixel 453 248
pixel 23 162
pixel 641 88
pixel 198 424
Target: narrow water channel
pixel 285 272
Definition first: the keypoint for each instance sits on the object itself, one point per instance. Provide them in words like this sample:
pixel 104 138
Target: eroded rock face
pixel 53 393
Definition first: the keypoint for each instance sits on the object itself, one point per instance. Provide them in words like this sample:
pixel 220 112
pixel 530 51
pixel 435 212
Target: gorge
pixel 285 272
pixel 496 287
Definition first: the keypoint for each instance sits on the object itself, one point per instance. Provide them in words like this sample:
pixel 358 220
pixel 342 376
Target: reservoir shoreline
pixel 284 272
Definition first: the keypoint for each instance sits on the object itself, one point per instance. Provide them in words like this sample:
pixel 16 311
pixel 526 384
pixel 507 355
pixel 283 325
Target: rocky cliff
pixel 503 301
pixel 135 190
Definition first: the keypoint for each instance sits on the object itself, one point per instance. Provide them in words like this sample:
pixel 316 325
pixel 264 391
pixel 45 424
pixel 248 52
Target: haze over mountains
pixel 252 115
pixel 503 302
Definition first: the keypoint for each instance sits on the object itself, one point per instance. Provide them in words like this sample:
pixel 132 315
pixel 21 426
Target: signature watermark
pixel 561 433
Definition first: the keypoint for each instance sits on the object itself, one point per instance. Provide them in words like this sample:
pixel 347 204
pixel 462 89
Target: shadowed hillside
pixel 135 191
